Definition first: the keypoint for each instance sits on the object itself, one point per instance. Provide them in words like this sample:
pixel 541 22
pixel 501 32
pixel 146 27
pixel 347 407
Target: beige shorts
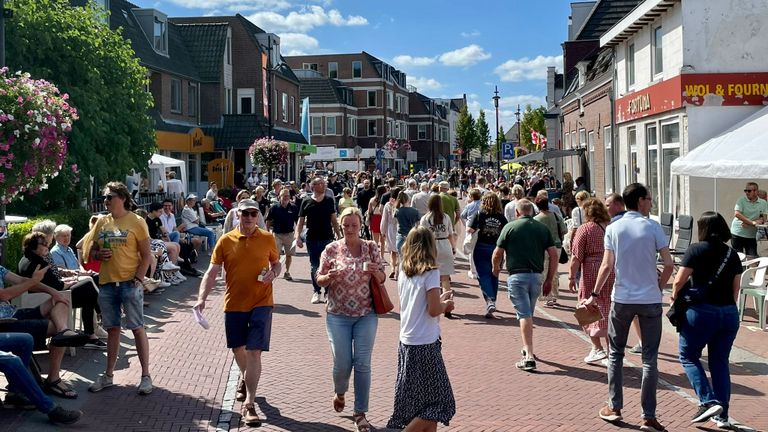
pixel 285 244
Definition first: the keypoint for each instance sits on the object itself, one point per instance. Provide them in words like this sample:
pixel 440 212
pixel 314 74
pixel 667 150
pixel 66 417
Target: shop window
pixel 608 160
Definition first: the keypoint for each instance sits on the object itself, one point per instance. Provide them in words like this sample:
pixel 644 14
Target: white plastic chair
pixel 753 284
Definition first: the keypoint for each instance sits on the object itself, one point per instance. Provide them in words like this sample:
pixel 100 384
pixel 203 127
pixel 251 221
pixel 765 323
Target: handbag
pixel 470 240
pixel 380 300
pixel 690 294
pixel 563 256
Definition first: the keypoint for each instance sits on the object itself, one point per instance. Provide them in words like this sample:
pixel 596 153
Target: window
pixel 652 176
pixel 293 110
pixel 317 125
pixel 159 36
pixel 330 125
pixel 175 95
pixel 274 105
pixel 351 126
pixel 608 160
pixel 284 107
pixel 192 168
pixel 371 127
pixel 228 50
pixel 310 66
pixel 228 102
pixel 398 101
pixel 444 134
pixel 632 144
pixel 658 58
pixel 333 70
pixel 670 150
pixel 389 128
pixel 592 162
pixel 192 100
pixel 422 132
pixel 371 98
pixel 390 95
pixel 631 65
pixel 397 130
pixel 245 101
pixel 582 138
pixel 357 69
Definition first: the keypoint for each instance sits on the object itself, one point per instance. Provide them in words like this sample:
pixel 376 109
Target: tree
pixel 483 133
pixel 533 118
pixel 96 66
pixel 466 136
pixel 500 139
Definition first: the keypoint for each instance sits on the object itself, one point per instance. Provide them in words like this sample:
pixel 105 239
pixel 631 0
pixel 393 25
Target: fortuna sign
pixel 640 104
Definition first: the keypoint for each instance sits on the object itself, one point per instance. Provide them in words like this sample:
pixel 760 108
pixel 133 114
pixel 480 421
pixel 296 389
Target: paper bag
pixel 586 316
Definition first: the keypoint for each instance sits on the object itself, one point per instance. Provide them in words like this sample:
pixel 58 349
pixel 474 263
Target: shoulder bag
pixel 690 294
pixel 380 300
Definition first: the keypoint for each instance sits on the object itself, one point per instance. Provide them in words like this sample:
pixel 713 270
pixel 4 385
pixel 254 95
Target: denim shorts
pixel 130 297
pixel 523 290
pixel 250 329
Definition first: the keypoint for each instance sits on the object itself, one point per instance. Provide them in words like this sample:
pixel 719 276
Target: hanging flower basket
pixel 268 152
pixel 34 120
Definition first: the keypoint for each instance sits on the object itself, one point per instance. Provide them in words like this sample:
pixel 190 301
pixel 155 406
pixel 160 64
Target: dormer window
pixel 160 35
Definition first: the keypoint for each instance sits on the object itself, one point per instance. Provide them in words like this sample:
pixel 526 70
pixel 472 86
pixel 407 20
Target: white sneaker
pixel 145 386
pixel 169 266
pixel 721 422
pixel 594 356
pixel 163 284
pixel 99 331
pixel 316 298
pixel 102 382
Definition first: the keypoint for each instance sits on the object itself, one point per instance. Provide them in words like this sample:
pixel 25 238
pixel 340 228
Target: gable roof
pixel 177 62
pixel 604 15
pixel 252 29
pixel 322 91
pixel 206 43
pixel 239 131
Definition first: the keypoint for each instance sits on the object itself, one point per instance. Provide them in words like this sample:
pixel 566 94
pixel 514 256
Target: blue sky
pixel 446 47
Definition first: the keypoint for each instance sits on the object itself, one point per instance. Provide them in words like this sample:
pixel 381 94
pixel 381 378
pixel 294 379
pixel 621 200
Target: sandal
pixel 338 403
pixel 361 423
pixel 76 339
pixel 58 388
pixel 240 394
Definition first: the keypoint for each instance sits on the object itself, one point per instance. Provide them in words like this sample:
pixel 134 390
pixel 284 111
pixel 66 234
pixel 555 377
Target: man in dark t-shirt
pixel 318 211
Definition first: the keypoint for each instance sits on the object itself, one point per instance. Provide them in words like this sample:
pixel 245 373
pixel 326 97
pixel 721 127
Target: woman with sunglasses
pixel 120 240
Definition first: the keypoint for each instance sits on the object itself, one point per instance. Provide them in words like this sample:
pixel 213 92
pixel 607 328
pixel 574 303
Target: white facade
pixel 696 37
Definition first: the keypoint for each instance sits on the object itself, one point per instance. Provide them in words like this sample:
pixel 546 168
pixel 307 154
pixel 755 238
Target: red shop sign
pixel 658 98
pixel 725 89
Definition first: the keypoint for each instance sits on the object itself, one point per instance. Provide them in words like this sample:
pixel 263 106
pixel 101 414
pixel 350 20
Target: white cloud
pixel 424 84
pixel 408 61
pixel 473 33
pixel 523 100
pixel 466 56
pixel 307 18
pixel 526 69
pixel 293 44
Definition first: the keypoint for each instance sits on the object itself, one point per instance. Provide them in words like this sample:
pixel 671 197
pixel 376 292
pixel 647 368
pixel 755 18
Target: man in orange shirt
pixel 251 261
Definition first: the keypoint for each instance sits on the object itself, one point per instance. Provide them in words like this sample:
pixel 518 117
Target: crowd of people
pixel 354 226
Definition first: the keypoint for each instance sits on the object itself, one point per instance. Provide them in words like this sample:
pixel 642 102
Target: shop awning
pixel 737 153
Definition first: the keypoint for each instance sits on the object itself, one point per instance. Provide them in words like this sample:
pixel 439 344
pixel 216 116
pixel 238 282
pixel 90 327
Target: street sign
pixel 357 150
pixel 343 153
pixel 507 150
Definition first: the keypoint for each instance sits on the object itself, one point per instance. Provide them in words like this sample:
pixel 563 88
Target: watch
pixel 594 294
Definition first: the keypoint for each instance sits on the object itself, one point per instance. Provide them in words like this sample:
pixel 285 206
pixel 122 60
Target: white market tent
pixel 158 166
pixel 737 153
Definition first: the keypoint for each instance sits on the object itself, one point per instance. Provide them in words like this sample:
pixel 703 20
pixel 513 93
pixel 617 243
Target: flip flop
pixel 75 340
pixel 338 403
pixel 58 388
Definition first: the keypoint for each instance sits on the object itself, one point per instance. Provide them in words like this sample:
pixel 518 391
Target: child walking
pixel 423 394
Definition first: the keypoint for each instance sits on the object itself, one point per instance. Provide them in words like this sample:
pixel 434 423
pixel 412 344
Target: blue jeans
pixel 173 236
pixel 489 284
pixel 204 232
pixel 715 327
pixel 523 290
pixel 119 297
pixel 352 341
pixel 15 354
pixel 314 249
pixel 619 321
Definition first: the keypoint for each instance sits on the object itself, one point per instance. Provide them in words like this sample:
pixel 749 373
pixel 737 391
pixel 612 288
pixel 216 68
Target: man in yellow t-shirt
pixel 249 257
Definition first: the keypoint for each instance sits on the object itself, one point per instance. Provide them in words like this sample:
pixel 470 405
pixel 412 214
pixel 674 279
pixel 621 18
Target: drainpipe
pixel 614 143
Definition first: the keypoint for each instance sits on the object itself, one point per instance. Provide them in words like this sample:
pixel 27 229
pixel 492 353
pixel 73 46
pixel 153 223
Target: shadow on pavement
pixel 293 310
pixel 275 418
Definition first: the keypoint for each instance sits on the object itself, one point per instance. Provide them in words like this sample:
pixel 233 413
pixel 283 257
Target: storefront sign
pixel 727 89
pixel 193 142
pixel 658 98
pixel 221 171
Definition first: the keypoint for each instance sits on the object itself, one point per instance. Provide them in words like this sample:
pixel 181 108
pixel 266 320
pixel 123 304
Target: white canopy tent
pixel 737 153
pixel 158 166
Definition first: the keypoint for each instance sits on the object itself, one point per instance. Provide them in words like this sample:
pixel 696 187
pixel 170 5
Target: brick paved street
pixel 191 370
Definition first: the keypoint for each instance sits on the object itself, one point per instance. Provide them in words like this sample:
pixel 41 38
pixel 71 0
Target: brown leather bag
pixel 381 302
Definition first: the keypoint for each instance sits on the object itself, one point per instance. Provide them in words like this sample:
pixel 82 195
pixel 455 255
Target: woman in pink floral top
pixel 346 269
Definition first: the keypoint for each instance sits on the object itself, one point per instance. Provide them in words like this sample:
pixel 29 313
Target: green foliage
pixel 466 136
pixel 533 118
pixel 483 133
pixel 96 66
pixel 77 219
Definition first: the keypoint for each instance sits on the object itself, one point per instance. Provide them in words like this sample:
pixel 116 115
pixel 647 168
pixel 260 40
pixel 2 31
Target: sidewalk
pixel 194 382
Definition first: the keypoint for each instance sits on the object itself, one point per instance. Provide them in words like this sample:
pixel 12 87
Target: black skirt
pixel 422 389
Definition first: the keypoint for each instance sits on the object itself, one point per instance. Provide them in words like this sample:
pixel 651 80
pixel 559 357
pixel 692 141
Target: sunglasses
pixel 749 190
pixel 253 213
pixel 108 197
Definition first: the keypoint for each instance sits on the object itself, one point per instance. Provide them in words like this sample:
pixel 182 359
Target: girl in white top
pixel 389 229
pixel 423 393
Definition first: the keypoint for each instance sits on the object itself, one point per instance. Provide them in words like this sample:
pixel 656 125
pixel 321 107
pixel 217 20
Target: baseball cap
pixel 247 204
pixel 191 196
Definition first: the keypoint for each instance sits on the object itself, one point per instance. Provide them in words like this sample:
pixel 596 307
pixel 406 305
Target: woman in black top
pixel 712 319
pixel 488 222
pixel 85 295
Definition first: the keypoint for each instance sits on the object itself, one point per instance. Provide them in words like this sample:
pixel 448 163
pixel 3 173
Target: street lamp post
pixel 498 147
pixel 519 128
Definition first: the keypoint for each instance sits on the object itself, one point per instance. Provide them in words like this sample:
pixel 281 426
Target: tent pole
pixel 715 209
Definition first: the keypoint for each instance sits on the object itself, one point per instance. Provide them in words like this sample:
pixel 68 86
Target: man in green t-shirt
pixel 525 241
pixel 748 214
pixel 451 205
